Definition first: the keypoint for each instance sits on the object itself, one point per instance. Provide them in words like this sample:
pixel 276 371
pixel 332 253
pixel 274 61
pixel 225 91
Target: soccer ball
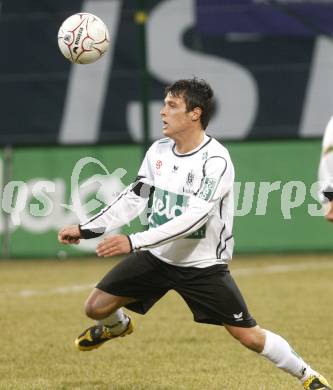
pixel 83 38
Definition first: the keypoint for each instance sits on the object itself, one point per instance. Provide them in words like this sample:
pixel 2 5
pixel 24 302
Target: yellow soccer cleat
pixel 97 335
pixel 316 382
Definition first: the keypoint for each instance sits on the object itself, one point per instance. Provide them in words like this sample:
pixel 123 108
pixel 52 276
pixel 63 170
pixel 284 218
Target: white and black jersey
pixel 191 212
pixel 325 174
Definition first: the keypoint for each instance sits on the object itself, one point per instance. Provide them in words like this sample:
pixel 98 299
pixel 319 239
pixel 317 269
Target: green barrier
pixel 284 225
pixel 285 162
pixel 37 236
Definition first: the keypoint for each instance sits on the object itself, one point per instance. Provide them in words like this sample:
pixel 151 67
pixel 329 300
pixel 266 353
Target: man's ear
pixel 196 113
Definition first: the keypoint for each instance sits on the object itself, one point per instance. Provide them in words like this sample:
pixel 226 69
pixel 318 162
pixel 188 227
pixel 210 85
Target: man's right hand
pixel 69 235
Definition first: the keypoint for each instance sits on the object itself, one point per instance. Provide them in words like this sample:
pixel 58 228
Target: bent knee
pixel 98 310
pixel 92 311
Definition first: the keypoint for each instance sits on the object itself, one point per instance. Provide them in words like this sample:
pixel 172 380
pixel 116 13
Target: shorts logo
pixel 239 316
pixel 207 188
pixel 158 164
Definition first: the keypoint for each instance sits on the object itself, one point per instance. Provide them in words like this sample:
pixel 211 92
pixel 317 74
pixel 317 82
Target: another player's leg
pixel 111 321
pixel 279 352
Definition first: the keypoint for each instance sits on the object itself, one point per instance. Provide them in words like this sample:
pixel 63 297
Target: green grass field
pixel 42 313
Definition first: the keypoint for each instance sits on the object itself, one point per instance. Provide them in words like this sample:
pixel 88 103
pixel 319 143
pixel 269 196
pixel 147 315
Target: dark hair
pixel 196 93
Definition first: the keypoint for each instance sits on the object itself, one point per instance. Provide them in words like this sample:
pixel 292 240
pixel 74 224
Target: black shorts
pixel 210 293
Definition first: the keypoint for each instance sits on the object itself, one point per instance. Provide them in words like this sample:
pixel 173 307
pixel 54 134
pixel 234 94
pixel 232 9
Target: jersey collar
pixel 205 142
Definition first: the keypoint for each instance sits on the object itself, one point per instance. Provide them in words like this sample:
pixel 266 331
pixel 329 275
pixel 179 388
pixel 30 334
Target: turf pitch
pixel 42 313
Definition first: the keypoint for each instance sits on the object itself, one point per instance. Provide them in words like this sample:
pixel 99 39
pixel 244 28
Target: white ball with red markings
pixel 83 38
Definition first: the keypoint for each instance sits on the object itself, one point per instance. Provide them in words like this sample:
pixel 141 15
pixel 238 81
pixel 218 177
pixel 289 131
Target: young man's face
pixel 175 118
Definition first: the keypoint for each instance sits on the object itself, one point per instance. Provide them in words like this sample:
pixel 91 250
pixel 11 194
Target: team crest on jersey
pixel 175 169
pixel 188 187
pixel 190 178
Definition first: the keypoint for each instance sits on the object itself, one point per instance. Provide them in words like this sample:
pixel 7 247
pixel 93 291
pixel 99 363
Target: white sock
pixel 117 320
pixel 279 352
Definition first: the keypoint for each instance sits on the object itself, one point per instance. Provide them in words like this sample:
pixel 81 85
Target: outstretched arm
pixel 128 205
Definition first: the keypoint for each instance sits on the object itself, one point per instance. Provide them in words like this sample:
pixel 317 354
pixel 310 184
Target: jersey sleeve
pixel 218 178
pixel 128 205
pixel 326 165
pixel 146 168
pixel 217 181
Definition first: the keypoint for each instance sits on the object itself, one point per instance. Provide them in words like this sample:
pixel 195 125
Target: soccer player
pixel 326 171
pixel 189 243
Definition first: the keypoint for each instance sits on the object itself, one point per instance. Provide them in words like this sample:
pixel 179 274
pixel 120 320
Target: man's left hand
pixel 114 245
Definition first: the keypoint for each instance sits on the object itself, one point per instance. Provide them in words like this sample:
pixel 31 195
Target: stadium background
pixel 270 63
